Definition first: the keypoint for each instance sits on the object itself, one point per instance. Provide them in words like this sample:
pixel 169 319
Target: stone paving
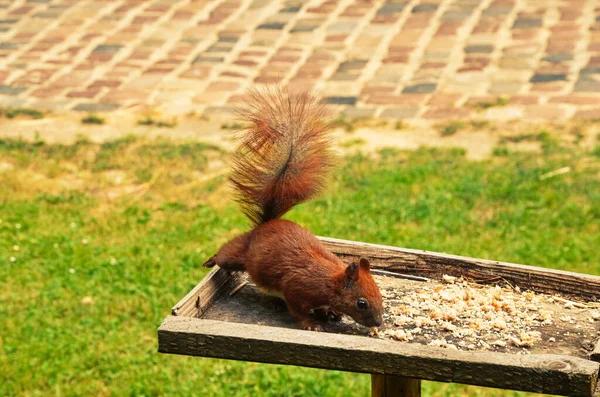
pixel 408 59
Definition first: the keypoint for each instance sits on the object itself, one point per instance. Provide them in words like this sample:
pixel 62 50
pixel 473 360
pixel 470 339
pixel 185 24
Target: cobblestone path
pixel 412 59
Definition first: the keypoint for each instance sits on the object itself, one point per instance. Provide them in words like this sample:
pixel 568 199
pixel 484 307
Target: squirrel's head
pixel 359 296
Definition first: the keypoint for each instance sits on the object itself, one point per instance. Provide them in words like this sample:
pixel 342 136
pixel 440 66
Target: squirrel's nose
pixel 376 321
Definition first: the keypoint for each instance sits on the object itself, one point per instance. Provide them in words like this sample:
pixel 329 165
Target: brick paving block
pixel 96 107
pixel 208 59
pixel 399 113
pixel 423 88
pixel 382 99
pixel 505 87
pixel 545 112
pixel 441 113
pixel 220 111
pixel 268 79
pixel 548 68
pixel 425 8
pixel 272 26
pixel 35 77
pixel 524 100
pixel 358 113
pixel 575 99
pixel 551 87
pixel 234 100
pixel 527 23
pixel 89 94
pixel 477 101
pixel 378 89
pixel 590 70
pixel 222 86
pixel 587 83
pixel 11 45
pixel 120 95
pixel 391 8
pixel 496 11
pixel 504 113
pixel 11 90
pixel 233 74
pixel 517 62
pixel 479 49
pixel 303 28
pixel 13 102
pixel 456 15
pixel 301 84
pixel 589 114
pixel 104 83
pixel 546 78
pixel 558 57
pixel 47 92
pixel 444 100
pixel 342 26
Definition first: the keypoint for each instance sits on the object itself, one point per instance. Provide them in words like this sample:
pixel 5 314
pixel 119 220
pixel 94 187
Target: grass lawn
pixel 97 242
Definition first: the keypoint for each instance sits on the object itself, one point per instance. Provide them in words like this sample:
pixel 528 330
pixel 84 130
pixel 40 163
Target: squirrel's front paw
pixel 309 326
pixel 333 316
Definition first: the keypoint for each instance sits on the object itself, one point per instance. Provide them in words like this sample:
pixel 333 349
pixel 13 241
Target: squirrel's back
pixel 284 153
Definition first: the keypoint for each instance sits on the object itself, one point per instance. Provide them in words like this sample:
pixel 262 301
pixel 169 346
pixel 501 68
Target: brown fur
pixel 282 161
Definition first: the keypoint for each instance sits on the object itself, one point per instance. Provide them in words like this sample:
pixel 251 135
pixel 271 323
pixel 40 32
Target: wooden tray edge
pixel 435 264
pixel 553 374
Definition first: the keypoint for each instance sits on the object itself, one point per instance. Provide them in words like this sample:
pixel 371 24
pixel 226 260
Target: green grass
pixel 65 235
pixel 93 119
pixel 149 120
pixel 400 125
pixel 352 143
pixel 341 121
pixel 22 112
pixel 499 102
pixel 451 128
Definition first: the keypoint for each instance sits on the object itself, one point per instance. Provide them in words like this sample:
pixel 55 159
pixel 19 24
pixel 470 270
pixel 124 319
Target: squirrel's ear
pixel 351 273
pixel 364 264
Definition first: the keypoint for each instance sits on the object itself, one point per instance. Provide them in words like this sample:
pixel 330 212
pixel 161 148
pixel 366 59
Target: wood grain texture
pixel 435 265
pixel 552 374
pixel 216 282
pixel 596 352
pixel 394 386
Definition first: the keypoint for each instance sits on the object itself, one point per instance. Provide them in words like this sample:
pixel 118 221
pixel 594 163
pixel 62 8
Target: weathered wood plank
pixel 553 374
pixel 434 265
pixel 394 386
pixel 216 282
pixel 596 352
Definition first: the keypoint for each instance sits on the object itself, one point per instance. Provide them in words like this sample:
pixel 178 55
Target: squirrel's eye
pixel 362 304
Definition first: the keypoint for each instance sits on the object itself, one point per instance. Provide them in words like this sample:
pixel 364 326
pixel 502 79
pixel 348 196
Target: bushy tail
pixel 284 153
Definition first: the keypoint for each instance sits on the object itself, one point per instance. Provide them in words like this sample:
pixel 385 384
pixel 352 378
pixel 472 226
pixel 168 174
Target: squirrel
pixel 282 160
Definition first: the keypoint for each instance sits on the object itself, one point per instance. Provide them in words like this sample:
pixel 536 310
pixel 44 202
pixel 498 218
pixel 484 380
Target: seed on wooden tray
pixel 475 316
pixel 446 326
pixel 448 279
pixel 499 324
pixel 401 320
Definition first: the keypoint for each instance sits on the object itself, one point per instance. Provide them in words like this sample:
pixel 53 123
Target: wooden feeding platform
pixel 457 319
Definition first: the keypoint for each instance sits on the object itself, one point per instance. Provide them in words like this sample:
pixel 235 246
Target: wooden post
pixel 394 386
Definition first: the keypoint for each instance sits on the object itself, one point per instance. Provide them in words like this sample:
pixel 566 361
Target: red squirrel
pixel 282 160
